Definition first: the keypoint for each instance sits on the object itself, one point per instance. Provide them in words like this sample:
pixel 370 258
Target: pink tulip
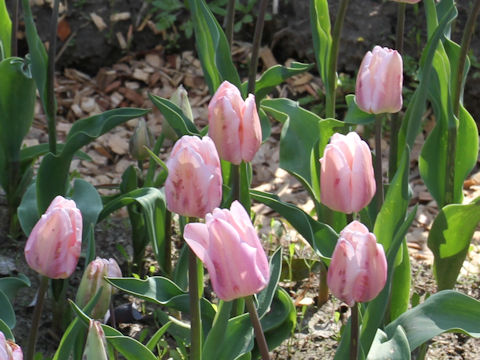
pixel 234 125
pixel 379 82
pixel 9 350
pixel 54 245
pixel 93 280
pixel 347 180
pixel 194 183
pixel 358 270
pixel 230 249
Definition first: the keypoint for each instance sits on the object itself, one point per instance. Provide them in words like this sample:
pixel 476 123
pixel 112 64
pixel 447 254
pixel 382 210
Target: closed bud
pixel 347 181
pixel 141 137
pixel 96 346
pixel 93 280
pixel 379 82
pixel 54 245
pixel 179 98
pixel 358 269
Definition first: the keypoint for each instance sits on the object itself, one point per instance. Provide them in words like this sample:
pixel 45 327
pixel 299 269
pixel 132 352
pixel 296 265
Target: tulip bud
pixel 379 82
pixel 96 346
pixel 234 125
pixel 230 249
pixel 54 245
pixel 179 98
pixel 141 137
pixel 9 350
pixel 93 280
pixel 347 180
pixel 194 183
pixel 358 269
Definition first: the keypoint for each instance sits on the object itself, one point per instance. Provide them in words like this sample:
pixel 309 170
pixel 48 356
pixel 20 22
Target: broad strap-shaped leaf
pixel 213 49
pixel 89 202
pixel 130 348
pixel 53 172
pixel 218 331
pixel 320 236
pixel 7 314
pixel 265 296
pixel 449 239
pixel 395 348
pixel 5 31
pixel 355 115
pixel 445 311
pixel 10 285
pixel 322 38
pixel 28 210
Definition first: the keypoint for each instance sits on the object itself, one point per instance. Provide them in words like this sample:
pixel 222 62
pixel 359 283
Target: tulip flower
pixel 194 183
pixel 234 125
pixel 96 346
pixel 9 350
pixel 231 251
pixel 358 269
pixel 379 82
pixel 347 179
pixel 54 245
pixel 93 280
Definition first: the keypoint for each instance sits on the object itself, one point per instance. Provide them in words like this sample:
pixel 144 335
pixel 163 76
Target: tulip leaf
pixel 7 314
pixel 179 122
pixel 5 31
pixel 212 46
pixel 31 153
pixel 449 239
pixel 265 296
pixel 157 336
pixel 264 124
pixel 6 331
pixel 445 311
pixel 130 348
pixel 82 132
pixel 395 348
pixel 355 115
pixel 89 202
pixel 10 285
pixel 238 338
pixel 217 333
pixel 322 38
pixel 320 236
pixel 28 210
pixel 274 76
pixel 401 282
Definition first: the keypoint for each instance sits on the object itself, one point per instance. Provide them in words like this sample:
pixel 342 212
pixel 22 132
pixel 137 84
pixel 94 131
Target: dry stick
pixel 229 21
pixel 50 103
pixel 257 38
pixel 452 126
pixel 13 44
pixel 37 313
pixel 395 122
pixel 261 342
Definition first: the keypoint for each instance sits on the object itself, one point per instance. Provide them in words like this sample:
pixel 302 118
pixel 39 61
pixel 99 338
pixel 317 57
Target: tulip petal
pixel 250 131
pixel 363 177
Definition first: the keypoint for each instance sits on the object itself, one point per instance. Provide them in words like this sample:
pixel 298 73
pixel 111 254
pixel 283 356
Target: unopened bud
pixel 179 98
pixel 96 346
pixel 141 137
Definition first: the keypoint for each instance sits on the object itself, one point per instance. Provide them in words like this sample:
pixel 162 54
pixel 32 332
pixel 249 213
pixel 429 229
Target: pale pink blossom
pixel 230 249
pixel 9 350
pixel 347 181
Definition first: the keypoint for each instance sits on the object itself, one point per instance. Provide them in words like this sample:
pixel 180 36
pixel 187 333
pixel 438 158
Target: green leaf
pixel 89 202
pixel 157 336
pixel 82 132
pixel 31 153
pixel 17 104
pixel 10 285
pixel 265 296
pixel 28 210
pixel 355 115
pixel 238 338
pixel 130 348
pixel 320 236
pixel 5 31
pixel 212 46
pixel 179 122
pixel 7 314
pixel 273 77
pixel 322 38
pixel 217 333
pixel 6 331
pixel 396 348
pixel 445 311
pixel 400 295
pixel 449 239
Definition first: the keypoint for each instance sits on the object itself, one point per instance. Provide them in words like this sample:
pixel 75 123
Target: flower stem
pixel 453 124
pixel 168 243
pixel 37 313
pixel 229 22
pixel 395 121
pixel 196 323
pixel 322 286
pixel 378 161
pixel 13 43
pixel 354 332
pixel 261 342
pixel 50 110
pixel 257 38
pixel 332 60
pixel 235 174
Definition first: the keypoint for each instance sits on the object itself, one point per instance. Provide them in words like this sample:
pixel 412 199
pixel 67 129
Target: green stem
pixel 257 327
pixel 235 174
pixel 378 161
pixel 13 44
pixel 229 22
pixel 452 125
pixel 354 332
pixel 196 322
pixel 332 60
pixel 168 243
pixel 322 285
pixel 50 110
pixel 37 313
pixel 257 38
pixel 395 121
